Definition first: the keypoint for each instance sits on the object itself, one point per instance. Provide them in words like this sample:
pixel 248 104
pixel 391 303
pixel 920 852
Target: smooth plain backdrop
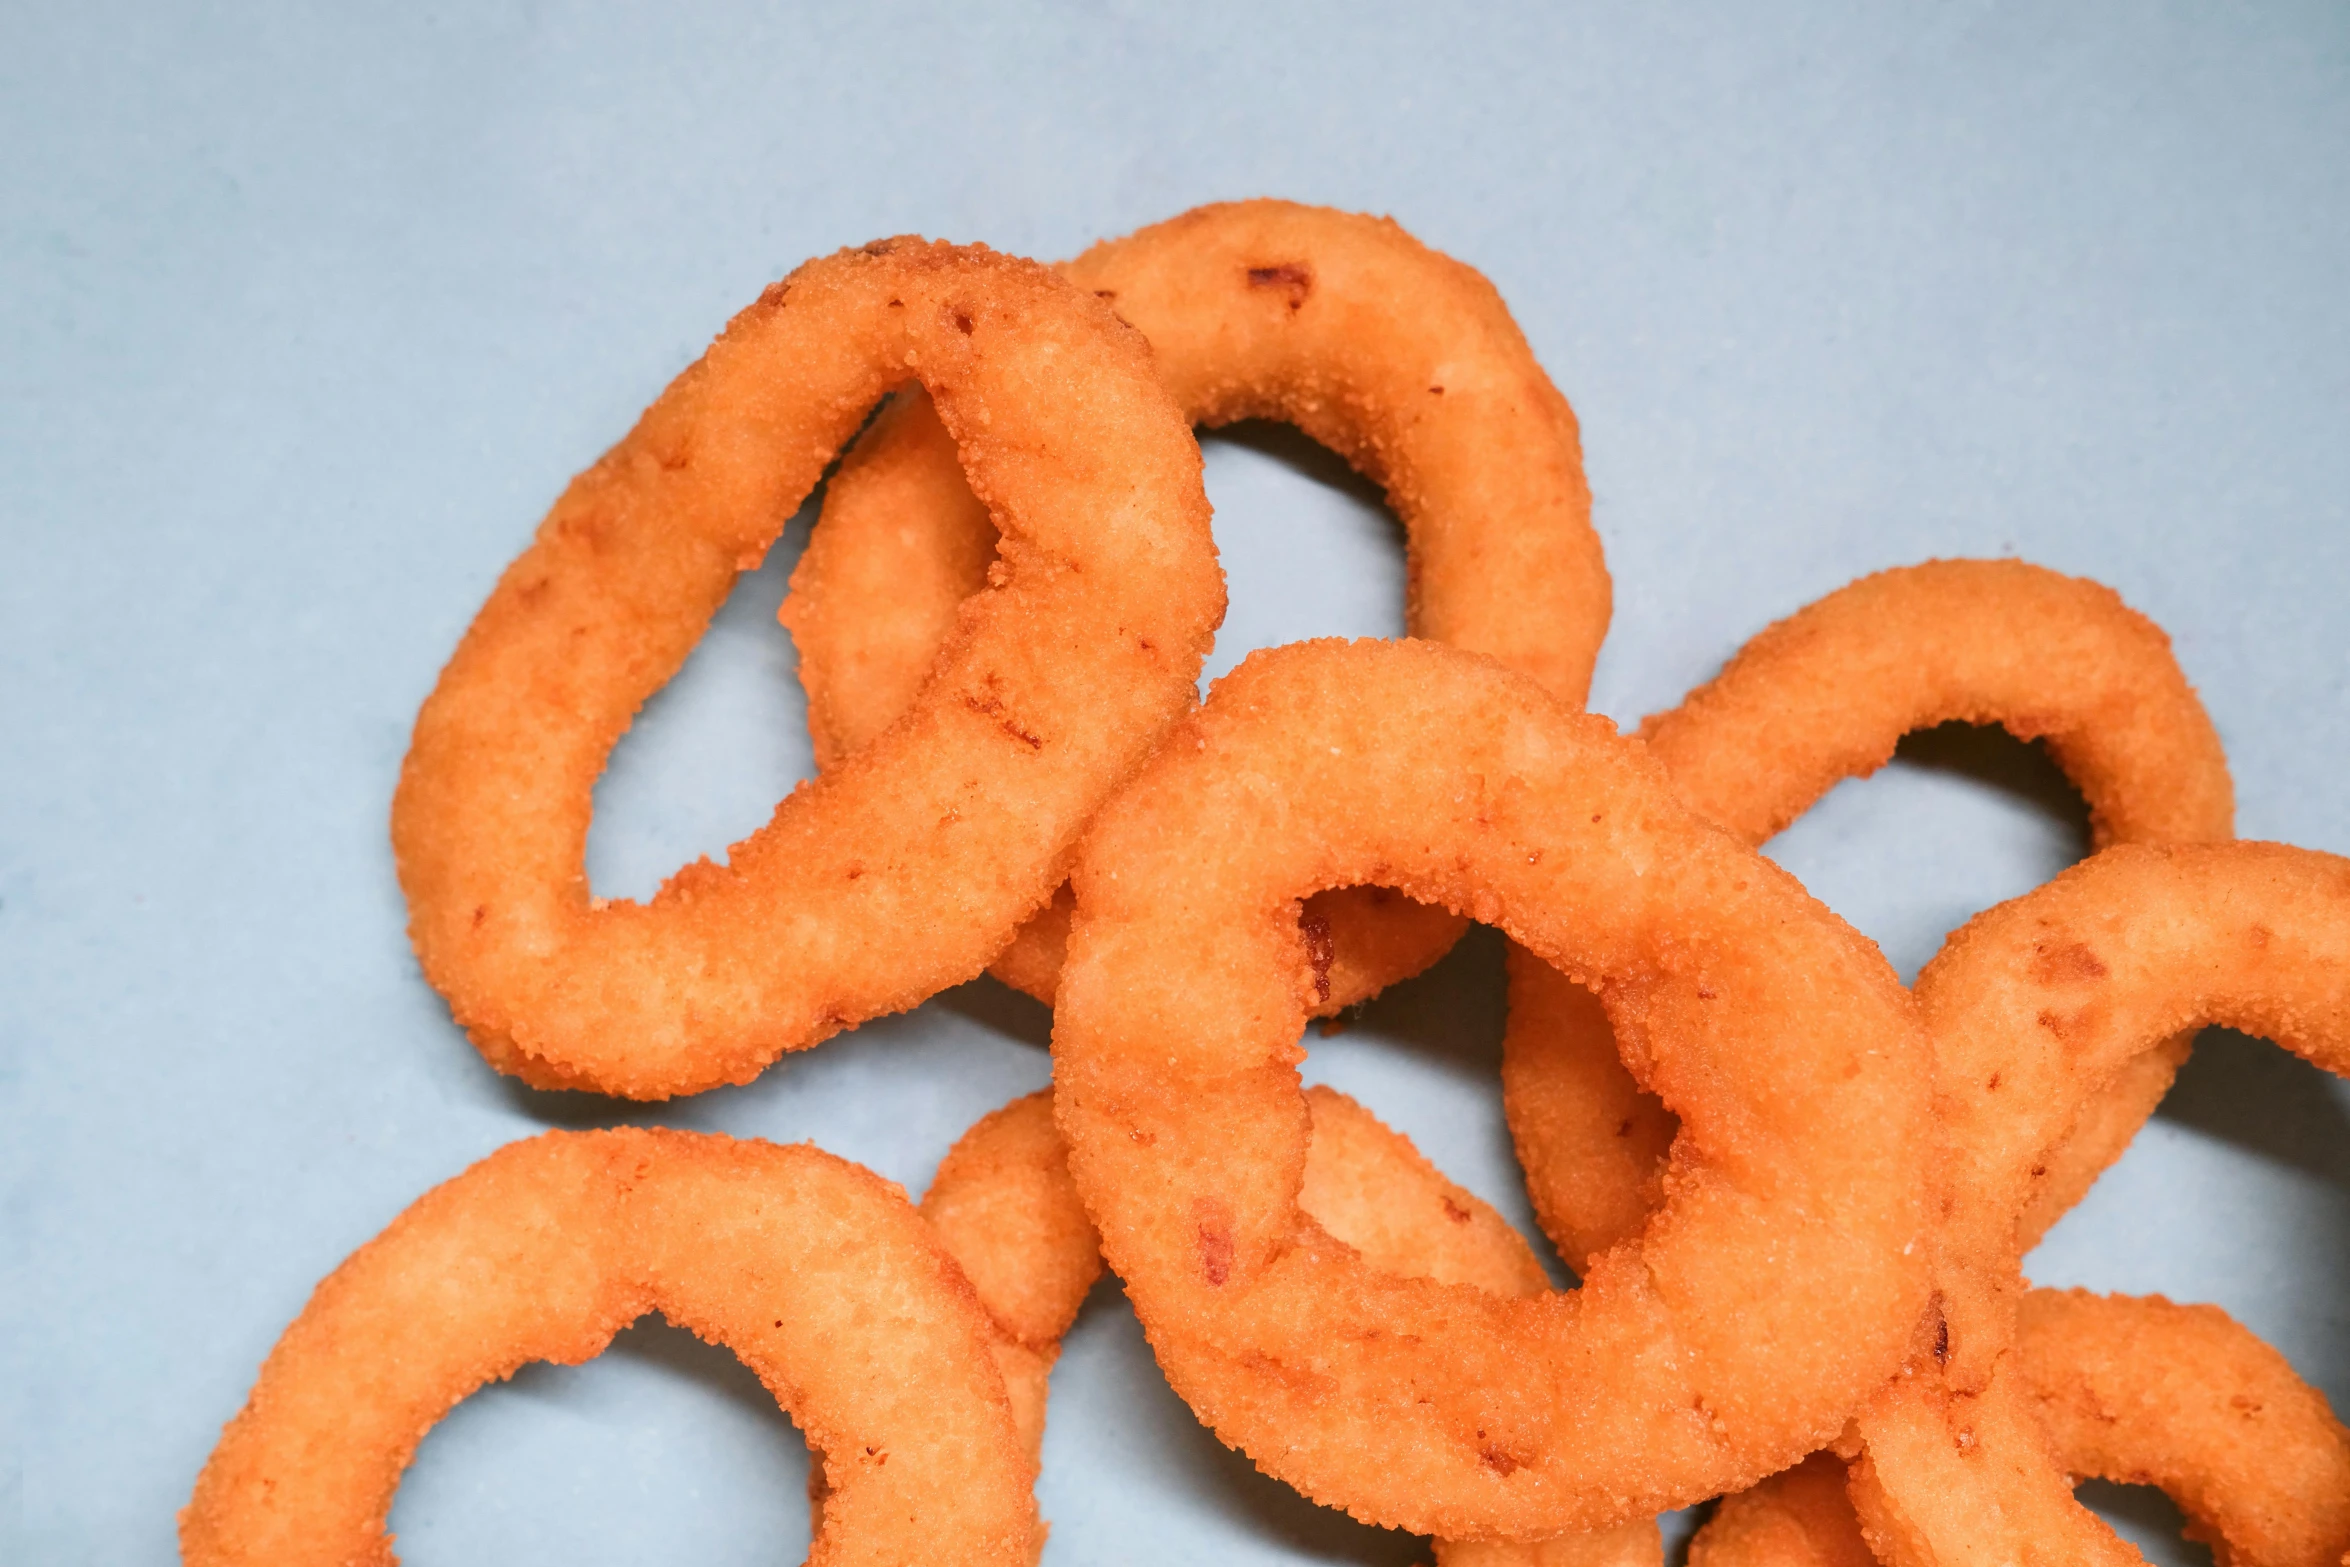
pixel 307 313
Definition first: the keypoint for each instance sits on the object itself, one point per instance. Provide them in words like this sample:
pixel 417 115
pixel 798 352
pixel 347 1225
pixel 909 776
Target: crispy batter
pixel 1400 359
pixel 1006 1210
pixel 2137 1391
pixel 1825 695
pixel 1683 1367
pixel 897 873
pixel 816 1272
pixel 2031 1006
pixel 2144 1392
pixel 1799 1517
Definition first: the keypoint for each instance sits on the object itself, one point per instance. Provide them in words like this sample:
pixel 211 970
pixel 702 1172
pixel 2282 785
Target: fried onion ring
pixel 1799 1517
pixel 1683 1367
pixel 1006 1210
pixel 2136 1391
pixel 1825 695
pixel 2143 1392
pixel 895 874
pixel 1400 359
pixel 2032 1005
pixel 818 1273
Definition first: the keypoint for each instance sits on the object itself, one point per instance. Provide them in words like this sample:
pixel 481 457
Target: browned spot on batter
pixel 856 871
pixel 1704 993
pixel 1293 277
pixel 2069 964
pixel 963 322
pixel 771 297
pixel 1106 293
pixel 990 707
pixel 1455 1212
pixel 1212 1224
pixel 1316 930
pixel 2258 936
pixel 1436 391
pixel 897 304
pixel 480 912
pixel 1625 1129
pixel 1495 1459
pixel 1992 1086
pixel 2073 1026
pixel 1941 1338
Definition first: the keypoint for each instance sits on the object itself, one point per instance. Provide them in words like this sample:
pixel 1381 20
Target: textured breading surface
pixel 1684 1367
pixel 903 870
pixel 816 1272
pixel 1402 360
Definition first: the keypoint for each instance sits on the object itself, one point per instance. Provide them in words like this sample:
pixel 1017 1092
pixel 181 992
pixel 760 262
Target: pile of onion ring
pixel 1798 1194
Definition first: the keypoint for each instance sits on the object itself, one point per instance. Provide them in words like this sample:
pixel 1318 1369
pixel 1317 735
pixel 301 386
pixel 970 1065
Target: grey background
pixel 306 313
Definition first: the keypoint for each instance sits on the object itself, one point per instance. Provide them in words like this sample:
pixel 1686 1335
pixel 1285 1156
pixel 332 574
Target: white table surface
pixel 307 312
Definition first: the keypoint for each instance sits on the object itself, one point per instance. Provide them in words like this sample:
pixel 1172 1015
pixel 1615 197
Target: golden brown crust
pixel 2137 1391
pixel 1825 695
pixel 1682 1368
pixel 1007 1211
pixel 2032 1005
pixel 2144 1392
pixel 817 1273
pixel 953 826
pixel 1799 1517
pixel 1400 359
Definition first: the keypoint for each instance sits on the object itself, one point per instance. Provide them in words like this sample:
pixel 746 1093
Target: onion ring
pixel 1006 1210
pixel 1400 359
pixel 816 1272
pixel 1683 1367
pixel 2144 1392
pixel 2031 1006
pixel 2136 1391
pixel 1799 1517
pixel 891 877
pixel 1825 695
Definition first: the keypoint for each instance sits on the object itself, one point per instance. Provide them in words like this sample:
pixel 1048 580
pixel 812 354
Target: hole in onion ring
pixel 704 1464
pixel 1310 546
pixel 1424 1056
pixel 715 748
pixel 1964 817
pixel 2147 1519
